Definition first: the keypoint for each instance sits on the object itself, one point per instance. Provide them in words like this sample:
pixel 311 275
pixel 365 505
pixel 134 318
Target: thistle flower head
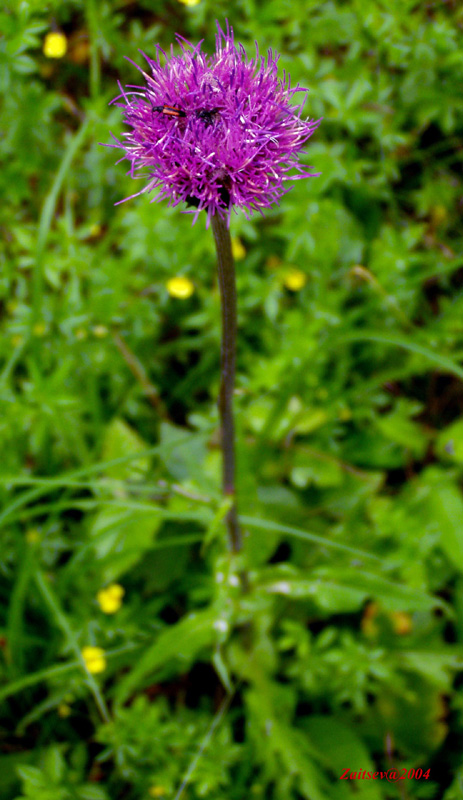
pixel 215 131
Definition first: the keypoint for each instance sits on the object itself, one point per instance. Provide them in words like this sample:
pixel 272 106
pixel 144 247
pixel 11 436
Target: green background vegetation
pixel 347 650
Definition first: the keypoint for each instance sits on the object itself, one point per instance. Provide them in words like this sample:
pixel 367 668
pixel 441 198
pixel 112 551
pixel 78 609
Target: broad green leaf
pixel 284 748
pixel 342 748
pixel 327 595
pixel 310 471
pixel 121 440
pixel 349 590
pixel 446 506
pixel 182 457
pixel 32 777
pixel 436 359
pixel 120 536
pixel 397 427
pixel 449 443
pixel 416 718
pixel 90 791
pixel 298 533
pixel 54 764
pixel 436 667
pixel 180 644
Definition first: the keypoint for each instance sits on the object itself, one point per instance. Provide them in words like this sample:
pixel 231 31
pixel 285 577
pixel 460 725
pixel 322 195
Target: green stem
pixel 95 69
pixel 226 270
pixel 47 216
pixel 62 622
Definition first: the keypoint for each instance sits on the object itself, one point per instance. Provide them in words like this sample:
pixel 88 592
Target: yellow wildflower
pixel 55 45
pixel 110 599
pixel 95 230
pixel 94 659
pixel 189 3
pixel 238 249
pixel 438 215
pixel 32 536
pixel 294 279
pixel 64 710
pixel 369 625
pixel 100 331
pixel 180 287
pixel 345 414
pixel 39 329
pixel 401 622
pixel 156 791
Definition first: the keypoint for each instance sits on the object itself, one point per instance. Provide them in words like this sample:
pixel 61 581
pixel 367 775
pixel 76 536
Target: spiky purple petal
pixel 238 142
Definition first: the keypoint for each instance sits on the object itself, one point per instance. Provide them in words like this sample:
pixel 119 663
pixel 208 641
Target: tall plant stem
pixel 227 285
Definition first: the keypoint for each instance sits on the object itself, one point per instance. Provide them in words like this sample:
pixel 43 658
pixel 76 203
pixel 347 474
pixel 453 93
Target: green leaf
pixel 182 457
pixel 180 643
pixel 285 750
pixel 298 533
pixel 449 443
pixel 32 777
pixel 121 536
pixel 397 427
pixel 121 440
pixel 328 595
pixel 321 473
pixel 446 506
pixel 54 765
pixel 436 667
pixel 436 359
pixel 90 791
pixel 342 748
pixel 349 590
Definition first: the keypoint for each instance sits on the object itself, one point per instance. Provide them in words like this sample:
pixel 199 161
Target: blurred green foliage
pixel 347 650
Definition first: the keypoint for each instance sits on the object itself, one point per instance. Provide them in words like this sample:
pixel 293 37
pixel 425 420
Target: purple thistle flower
pixel 217 132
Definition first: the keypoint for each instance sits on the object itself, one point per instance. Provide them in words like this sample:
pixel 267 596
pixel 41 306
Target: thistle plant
pixel 219 133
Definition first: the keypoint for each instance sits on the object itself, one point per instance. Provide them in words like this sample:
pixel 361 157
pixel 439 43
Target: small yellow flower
pixel 110 599
pixel 401 622
pixel 55 45
pixel 189 3
pixel 238 249
pixel 295 279
pixel 438 215
pixel 368 624
pixel 95 230
pixel 39 329
pixel 64 710
pixel 156 791
pixel 94 659
pixel 100 331
pixel 179 287
pixel 345 414
pixel 32 536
